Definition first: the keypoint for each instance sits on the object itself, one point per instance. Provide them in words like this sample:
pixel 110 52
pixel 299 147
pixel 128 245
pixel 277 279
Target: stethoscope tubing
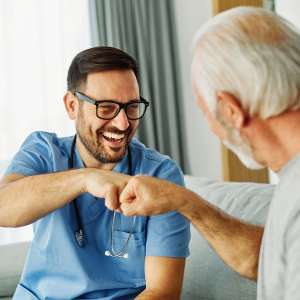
pixel 79 231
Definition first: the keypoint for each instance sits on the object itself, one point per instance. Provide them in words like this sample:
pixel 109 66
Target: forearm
pixel 28 199
pixel 236 242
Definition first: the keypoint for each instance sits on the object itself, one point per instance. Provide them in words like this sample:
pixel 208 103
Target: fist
pixel 144 195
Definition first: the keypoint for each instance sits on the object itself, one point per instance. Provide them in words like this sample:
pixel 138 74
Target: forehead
pixel 112 84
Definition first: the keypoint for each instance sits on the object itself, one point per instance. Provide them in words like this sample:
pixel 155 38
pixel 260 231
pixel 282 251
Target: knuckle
pixel 109 186
pixel 135 181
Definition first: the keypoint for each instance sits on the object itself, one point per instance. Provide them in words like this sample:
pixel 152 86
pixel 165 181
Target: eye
pixel 107 108
pixel 133 106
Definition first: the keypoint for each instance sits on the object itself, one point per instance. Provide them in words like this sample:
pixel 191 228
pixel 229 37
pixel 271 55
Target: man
pixel 246 77
pixel 80 248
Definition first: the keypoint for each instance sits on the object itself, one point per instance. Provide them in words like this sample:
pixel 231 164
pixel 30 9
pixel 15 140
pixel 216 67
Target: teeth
pixel 115 136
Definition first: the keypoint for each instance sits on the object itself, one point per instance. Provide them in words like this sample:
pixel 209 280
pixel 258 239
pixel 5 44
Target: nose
pixel 121 121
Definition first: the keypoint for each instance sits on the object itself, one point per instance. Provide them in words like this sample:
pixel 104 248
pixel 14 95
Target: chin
pixel 114 156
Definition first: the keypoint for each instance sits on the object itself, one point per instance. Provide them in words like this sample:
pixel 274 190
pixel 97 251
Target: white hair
pixel 253 54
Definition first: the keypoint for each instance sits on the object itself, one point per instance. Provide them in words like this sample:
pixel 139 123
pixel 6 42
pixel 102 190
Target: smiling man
pixel 68 187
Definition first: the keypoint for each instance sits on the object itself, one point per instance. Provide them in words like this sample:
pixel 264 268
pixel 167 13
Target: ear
pixel 230 110
pixel 71 105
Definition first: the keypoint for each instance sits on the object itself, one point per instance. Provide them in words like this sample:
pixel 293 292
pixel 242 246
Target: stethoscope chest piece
pixel 123 253
pixel 108 253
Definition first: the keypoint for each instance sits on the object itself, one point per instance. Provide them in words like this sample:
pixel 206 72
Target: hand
pixel 146 196
pixel 107 185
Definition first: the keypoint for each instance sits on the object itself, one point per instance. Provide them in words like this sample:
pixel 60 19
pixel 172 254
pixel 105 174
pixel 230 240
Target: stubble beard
pixel 94 145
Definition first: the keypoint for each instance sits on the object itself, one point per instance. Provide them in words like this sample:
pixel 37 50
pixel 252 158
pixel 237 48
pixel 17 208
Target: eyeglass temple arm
pixel 84 98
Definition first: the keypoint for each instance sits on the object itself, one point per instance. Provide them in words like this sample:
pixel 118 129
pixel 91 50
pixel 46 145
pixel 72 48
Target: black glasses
pixel 109 109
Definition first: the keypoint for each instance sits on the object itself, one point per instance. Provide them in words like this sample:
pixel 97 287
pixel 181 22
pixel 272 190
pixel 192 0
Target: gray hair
pixel 253 54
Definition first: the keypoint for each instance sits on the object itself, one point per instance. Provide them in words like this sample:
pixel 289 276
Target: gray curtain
pixel 270 4
pixel 146 30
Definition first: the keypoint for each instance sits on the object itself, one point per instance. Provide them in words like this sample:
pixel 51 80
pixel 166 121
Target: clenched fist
pixel 144 195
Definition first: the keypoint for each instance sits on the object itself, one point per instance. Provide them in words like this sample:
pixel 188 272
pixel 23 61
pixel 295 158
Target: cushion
pixel 206 276
pixel 12 259
pixel 12 256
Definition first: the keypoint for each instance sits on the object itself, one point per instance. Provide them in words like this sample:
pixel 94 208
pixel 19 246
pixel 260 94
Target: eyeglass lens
pixel 107 110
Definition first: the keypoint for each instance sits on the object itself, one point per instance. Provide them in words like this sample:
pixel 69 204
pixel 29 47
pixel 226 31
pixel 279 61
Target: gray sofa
pixel 206 276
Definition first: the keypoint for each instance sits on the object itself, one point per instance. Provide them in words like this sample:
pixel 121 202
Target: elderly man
pixel 246 77
pixel 81 249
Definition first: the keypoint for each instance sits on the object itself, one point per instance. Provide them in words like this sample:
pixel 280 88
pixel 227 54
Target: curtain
pixel 270 4
pixel 38 40
pixel 146 30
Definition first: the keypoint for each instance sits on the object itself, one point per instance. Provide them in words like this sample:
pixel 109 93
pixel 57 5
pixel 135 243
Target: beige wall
pixel 203 148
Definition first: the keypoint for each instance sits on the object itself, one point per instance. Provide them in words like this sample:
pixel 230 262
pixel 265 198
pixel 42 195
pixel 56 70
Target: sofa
pixel 206 276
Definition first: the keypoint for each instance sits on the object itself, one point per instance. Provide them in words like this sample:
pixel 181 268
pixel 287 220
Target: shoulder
pixel 285 206
pixel 150 162
pixel 44 137
pixel 40 153
pixel 46 140
pixel 140 151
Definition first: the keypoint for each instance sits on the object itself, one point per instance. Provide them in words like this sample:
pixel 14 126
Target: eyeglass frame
pixel 83 97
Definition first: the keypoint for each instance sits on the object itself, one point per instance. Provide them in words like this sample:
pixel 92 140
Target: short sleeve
pixel 168 234
pixel 34 156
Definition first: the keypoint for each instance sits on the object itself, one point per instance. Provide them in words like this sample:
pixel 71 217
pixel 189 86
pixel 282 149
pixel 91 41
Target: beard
pixel 94 142
pixel 241 149
pixel 238 146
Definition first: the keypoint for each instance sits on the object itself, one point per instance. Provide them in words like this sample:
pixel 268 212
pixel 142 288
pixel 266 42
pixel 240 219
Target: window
pixel 38 41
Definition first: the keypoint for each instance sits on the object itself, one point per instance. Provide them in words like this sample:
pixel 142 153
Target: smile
pixel 113 137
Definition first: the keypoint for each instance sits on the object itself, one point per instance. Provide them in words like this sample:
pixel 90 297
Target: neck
pixel 89 160
pixel 280 139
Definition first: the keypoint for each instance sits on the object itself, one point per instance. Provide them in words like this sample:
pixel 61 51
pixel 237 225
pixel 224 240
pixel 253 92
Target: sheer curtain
pixel 38 40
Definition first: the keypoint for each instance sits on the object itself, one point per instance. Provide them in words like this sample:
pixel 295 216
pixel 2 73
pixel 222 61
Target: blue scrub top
pixel 57 268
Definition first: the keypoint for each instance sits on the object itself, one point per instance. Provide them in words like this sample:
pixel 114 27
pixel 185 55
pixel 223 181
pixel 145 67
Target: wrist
pixel 178 199
pixel 187 199
pixel 84 179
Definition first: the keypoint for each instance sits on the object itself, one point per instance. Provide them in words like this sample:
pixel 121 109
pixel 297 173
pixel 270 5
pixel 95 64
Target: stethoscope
pixel 79 232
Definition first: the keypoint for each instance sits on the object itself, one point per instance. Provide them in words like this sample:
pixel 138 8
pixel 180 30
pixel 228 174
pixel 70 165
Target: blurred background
pixel 39 38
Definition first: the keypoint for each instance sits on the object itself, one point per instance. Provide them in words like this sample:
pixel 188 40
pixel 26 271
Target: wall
pixel 203 147
pixel 289 9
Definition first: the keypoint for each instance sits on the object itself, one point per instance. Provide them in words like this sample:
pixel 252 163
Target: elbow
pixel 247 265
pixel 249 258
pixel 20 221
pixel 248 269
pixel 12 221
pixel 11 224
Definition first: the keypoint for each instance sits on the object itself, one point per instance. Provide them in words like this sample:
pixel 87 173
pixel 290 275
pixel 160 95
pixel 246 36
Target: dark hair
pixel 98 59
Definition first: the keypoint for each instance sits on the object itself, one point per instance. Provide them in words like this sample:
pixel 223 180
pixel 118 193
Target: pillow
pixel 12 258
pixel 206 276
pixel 245 200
